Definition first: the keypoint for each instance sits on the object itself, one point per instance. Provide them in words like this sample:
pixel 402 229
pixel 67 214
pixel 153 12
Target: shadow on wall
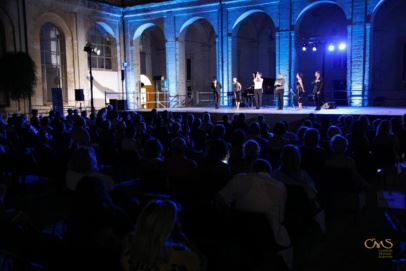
pixel 102 89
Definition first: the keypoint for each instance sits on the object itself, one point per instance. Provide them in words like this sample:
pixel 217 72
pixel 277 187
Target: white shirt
pixel 259 192
pixel 258 83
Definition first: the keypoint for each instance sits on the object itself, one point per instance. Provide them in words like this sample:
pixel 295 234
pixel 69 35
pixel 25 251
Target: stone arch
pixel 149 60
pixel 246 14
pixel 197 51
pixel 315 4
pixel 193 20
pixel 318 25
pixel 387 75
pixel 254 32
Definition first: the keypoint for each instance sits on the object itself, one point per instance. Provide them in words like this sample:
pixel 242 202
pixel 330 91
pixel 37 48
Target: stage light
pixel 304 48
pixel 331 47
pixel 314 49
pixel 342 46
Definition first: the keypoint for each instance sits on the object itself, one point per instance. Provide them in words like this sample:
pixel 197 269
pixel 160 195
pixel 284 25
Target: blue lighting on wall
pixel 177 15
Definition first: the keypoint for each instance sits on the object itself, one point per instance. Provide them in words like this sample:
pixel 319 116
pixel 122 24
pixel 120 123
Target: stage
pixel 370 111
pixel 289 114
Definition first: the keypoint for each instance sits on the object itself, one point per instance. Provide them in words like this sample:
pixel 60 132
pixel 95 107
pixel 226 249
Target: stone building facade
pixel 187 43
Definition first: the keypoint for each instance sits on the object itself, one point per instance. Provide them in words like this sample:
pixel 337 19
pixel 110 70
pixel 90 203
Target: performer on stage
pixel 237 92
pixel 258 82
pixel 299 90
pixel 279 90
pixel 216 88
pixel 317 88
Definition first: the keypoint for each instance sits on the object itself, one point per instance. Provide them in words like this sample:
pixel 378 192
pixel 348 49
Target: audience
pixel 99 165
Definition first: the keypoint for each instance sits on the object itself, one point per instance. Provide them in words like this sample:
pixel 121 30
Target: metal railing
pixel 155 99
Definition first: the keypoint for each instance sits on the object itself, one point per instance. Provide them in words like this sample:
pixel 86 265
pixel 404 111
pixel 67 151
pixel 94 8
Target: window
pixel 53 61
pixel 100 39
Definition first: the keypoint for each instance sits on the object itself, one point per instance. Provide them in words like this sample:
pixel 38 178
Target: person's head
pixel 92 192
pixel 279 128
pixel 141 128
pixel 207 117
pixel 262 166
pixel 152 231
pixel 234 80
pixel 83 160
pixel 255 129
pixel 290 159
pixel 34 112
pixel 280 76
pixel 333 130
pixel 338 144
pixel 299 76
pixel 178 146
pixel 237 137
pixel 251 150
pixel 217 150
pixel 317 74
pixel 153 148
pixel 241 117
pixel 219 131
pixel 311 138
pixel 260 119
pixel 384 128
pixel 258 75
pixel 214 80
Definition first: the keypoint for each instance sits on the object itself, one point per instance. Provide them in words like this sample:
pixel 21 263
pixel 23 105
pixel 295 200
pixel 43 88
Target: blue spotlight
pixel 304 48
pixel 342 46
pixel 314 49
pixel 331 47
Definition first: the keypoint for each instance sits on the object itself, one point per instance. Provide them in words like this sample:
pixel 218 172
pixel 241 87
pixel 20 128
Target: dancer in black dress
pixel 299 90
pixel 237 92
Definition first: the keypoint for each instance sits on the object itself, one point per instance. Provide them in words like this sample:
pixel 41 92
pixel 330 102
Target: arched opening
pixel 152 59
pixel 321 45
pixel 53 61
pixel 199 64
pixel 388 54
pixel 253 49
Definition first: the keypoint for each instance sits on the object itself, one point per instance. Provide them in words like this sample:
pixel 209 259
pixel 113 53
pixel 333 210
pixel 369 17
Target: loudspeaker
pixel 330 105
pixel 118 104
pixel 79 96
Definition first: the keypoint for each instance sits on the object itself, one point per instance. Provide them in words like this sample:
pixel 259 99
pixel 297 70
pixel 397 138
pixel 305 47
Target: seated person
pixel 157 242
pixel 259 192
pixel 339 160
pixel 83 163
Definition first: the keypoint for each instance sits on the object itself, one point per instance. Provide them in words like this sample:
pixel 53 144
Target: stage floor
pixel 372 111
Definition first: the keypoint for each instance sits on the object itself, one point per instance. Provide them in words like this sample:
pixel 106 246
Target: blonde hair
pixel 154 227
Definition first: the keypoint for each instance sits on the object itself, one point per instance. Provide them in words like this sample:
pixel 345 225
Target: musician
pixel 237 92
pixel 279 90
pixel 299 90
pixel 216 88
pixel 317 88
pixel 258 83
